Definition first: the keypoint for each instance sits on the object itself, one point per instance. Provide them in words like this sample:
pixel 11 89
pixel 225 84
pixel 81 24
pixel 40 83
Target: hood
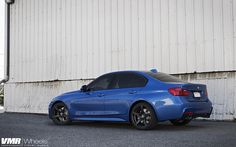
pixel 68 95
pixel 71 93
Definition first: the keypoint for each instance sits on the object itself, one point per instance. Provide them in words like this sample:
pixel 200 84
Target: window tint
pixel 165 77
pixel 129 80
pixel 101 83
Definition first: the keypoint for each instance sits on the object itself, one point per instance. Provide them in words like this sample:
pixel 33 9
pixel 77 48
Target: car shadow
pixel 162 126
pixel 170 127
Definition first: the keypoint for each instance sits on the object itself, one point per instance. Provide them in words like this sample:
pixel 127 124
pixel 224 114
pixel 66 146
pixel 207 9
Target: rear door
pixel 124 88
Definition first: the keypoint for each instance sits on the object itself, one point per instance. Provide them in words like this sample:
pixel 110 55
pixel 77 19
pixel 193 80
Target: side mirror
pixel 84 88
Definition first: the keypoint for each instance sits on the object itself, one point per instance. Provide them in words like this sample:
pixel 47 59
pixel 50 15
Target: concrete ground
pixel 101 134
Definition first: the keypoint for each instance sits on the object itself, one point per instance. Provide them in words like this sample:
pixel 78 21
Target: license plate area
pixel 197 94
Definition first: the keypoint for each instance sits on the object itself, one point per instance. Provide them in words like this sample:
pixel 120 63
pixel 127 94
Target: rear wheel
pixel 180 122
pixel 60 114
pixel 143 116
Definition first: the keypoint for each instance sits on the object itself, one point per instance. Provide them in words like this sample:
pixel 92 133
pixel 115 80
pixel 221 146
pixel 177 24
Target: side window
pixel 101 83
pixel 129 80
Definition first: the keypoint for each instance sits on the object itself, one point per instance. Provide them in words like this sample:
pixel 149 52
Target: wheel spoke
pixel 144 123
pixel 64 115
pixel 145 110
pixel 148 117
pixel 62 109
pixel 56 116
pixel 135 114
pixel 141 108
pixel 65 118
pixel 56 108
pixel 137 122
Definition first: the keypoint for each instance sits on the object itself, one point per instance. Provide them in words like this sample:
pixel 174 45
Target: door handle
pixel 132 92
pixel 101 94
pixel 88 93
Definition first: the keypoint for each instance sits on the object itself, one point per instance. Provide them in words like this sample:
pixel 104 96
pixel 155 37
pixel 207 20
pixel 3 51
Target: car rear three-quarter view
pixel 142 98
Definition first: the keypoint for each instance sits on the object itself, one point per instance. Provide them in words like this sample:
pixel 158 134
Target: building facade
pixel 59 45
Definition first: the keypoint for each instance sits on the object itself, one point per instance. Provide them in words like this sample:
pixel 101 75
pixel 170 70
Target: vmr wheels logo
pixel 23 142
pixel 10 141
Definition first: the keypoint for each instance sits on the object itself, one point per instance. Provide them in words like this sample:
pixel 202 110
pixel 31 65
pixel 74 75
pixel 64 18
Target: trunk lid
pixel 198 92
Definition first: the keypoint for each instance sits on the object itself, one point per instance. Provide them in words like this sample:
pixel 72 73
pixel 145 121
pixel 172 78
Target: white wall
pixel 74 39
pixel 35 97
pixel 81 39
pixel 2 37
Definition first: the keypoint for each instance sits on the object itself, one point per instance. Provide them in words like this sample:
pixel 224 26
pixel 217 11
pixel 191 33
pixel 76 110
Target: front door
pixel 91 102
pixel 88 104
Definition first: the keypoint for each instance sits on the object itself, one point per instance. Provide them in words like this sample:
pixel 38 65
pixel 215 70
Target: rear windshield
pixel 165 77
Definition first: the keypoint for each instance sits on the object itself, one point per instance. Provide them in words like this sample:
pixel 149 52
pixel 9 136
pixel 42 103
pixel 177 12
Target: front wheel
pixel 180 122
pixel 60 114
pixel 143 116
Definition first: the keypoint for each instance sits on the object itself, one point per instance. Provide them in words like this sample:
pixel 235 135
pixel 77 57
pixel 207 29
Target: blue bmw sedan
pixel 142 98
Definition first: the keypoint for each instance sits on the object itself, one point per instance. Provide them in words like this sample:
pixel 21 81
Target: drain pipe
pixel 7 73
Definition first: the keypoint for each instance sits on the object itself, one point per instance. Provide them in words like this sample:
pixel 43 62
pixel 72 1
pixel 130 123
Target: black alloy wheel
pixel 60 114
pixel 143 116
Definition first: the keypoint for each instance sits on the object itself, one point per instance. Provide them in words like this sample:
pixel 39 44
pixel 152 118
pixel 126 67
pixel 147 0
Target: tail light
pixel 177 91
pixel 206 93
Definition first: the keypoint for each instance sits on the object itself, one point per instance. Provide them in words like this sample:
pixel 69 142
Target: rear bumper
pixel 187 110
pixel 189 114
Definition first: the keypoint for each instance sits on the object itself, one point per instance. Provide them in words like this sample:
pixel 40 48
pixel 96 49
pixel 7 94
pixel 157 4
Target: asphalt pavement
pixel 105 134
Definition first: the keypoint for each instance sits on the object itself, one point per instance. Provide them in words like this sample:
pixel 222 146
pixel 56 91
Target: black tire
pixel 142 116
pixel 180 122
pixel 60 114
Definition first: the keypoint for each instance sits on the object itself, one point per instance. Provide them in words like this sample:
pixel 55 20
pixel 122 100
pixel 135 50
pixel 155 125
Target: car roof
pixel 143 73
pixel 124 71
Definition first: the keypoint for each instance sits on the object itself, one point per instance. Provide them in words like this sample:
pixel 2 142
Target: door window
pixel 129 80
pixel 101 83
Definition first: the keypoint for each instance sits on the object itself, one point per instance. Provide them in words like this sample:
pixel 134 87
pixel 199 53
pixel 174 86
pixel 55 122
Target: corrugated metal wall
pixel 2 35
pixel 74 39
pixel 68 40
pixel 35 97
